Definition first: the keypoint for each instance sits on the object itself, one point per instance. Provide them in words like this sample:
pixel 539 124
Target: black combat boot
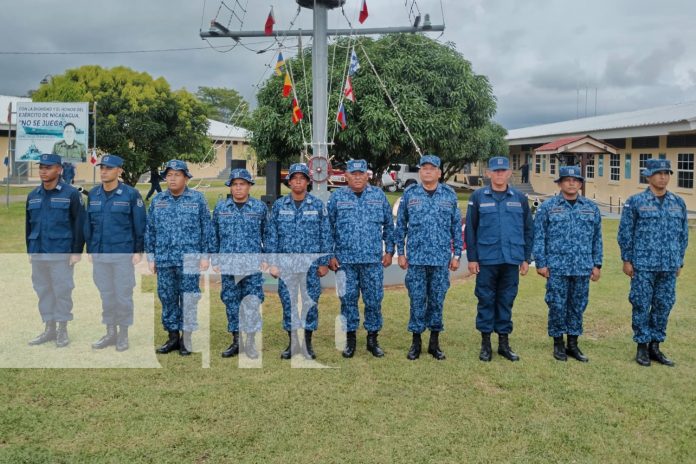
pixel 62 339
pixel 657 355
pixel 107 340
pixel 559 349
pixel 504 349
pixel 171 344
pixel 486 351
pixel 185 345
pixel 434 346
pixel 373 345
pixel 574 351
pixel 416 345
pixel 48 335
pixel 642 356
pixel 250 346
pixel 293 345
pixel 308 350
pixel 233 349
pixel 122 338
pixel 349 350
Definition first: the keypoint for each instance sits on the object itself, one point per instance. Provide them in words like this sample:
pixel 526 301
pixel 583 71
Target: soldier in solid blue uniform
pixel 362 235
pixel 499 235
pixel 55 217
pixel 239 226
pixel 115 237
pixel 653 236
pixel 428 239
pixel 568 253
pixel 68 172
pixel 299 223
pixel 178 240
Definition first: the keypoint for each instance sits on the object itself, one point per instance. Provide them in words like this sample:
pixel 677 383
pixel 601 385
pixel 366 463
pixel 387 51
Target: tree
pixel 138 118
pixel 225 105
pixel 447 107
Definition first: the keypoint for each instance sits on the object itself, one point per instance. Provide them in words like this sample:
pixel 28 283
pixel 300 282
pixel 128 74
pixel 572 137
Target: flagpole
pixel 94 141
pixel 9 152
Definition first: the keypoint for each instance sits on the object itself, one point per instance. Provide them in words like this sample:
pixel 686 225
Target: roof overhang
pixel 577 145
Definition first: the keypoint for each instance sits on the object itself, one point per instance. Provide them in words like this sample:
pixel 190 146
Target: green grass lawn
pixel 375 410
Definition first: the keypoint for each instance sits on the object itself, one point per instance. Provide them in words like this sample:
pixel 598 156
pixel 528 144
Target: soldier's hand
pixel 596 274
pixel 137 257
pixel 153 268
pixel 203 265
pixel 524 268
pixel 454 265
pixel 628 269
pixel 74 259
pixel 403 262
pixel 274 271
pixel 543 272
pixel 334 264
pixel 474 267
pixel 386 259
pixel 322 271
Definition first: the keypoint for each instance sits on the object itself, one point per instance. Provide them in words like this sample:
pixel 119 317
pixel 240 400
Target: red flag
pixel 287 86
pixel 348 90
pixel 363 12
pixel 297 115
pixel 341 117
pixel 93 157
pixel 270 22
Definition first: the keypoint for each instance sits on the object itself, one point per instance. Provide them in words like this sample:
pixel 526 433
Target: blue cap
pixel 111 161
pixel 298 167
pixel 50 159
pixel 429 159
pixel 653 166
pixel 498 163
pixel 569 171
pixel 356 165
pixel 176 165
pixel 239 174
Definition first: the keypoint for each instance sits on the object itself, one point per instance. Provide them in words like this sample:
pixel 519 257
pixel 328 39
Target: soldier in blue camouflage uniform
pixel 177 241
pixel 54 220
pixel 428 239
pixel 568 252
pixel 299 223
pixel 362 235
pixel 239 226
pixel 653 235
pixel 499 236
pixel 115 236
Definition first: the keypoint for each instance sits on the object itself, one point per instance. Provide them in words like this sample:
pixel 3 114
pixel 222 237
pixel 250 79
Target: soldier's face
pixel 570 186
pixel 356 180
pixel 659 180
pixel 69 135
pixel 429 174
pixel 109 174
pixel 499 178
pixel 298 183
pixel 239 189
pixel 176 181
pixel 49 173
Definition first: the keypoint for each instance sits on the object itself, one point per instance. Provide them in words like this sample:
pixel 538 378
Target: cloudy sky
pixel 537 53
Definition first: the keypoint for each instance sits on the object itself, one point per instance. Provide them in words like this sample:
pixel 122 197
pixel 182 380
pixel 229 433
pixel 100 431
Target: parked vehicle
pixel 403 175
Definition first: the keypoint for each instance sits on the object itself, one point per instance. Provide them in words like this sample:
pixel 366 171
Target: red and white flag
pixel 348 90
pixel 270 22
pixel 363 12
pixel 93 157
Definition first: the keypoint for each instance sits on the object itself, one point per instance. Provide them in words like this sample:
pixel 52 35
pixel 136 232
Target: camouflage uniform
pixel 74 153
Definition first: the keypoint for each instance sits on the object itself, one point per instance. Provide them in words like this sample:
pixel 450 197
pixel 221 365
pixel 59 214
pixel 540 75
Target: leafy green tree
pixel 225 105
pixel 139 118
pixel 447 107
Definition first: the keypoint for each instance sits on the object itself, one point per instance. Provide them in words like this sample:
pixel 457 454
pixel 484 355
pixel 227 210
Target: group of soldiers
pixel 353 235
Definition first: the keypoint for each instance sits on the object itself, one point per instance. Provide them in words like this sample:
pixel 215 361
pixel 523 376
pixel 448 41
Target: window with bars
pixel 685 170
pixel 590 168
pixel 537 164
pixel 515 162
pixel 552 165
pixel 615 167
pixel 643 157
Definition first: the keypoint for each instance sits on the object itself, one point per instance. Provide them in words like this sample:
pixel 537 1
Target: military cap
pixel 429 159
pixel 50 159
pixel 498 163
pixel 176 165
pixel 653 166
pixel 356 165
pixel 298 167
pixel 239 174
pixel 570 171
pixel 112 161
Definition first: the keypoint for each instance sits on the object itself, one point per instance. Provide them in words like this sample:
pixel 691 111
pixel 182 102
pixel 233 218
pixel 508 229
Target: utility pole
pixel 320 65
